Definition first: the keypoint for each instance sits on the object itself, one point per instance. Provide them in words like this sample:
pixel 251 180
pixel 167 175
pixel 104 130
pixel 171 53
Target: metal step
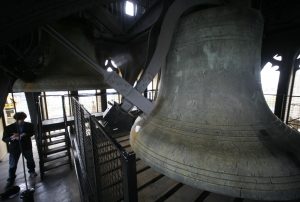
pixel 56 165
pixel 122 139
pixel 53 135
pixel 55 157
pixel 53 142
pixel 55 150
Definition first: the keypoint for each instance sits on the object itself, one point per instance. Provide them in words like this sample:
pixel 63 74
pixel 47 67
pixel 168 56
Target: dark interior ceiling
pixel 115 34
pixel 113 31
pixel 128 40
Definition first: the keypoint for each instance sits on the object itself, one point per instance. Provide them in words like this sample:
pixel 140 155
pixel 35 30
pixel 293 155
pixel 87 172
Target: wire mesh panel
pixel 109 167
pixel 106 172
pixel 85 150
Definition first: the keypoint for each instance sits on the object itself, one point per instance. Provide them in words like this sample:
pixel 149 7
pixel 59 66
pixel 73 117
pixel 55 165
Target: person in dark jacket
pixel 15 134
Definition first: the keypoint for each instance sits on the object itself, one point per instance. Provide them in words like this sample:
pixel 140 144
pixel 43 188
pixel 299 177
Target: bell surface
pixel 211 127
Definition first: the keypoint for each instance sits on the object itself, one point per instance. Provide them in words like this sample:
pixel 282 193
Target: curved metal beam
pixel 177 9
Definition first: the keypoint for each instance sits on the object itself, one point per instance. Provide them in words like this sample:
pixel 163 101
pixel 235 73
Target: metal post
pixel 290 97
pixel 129 177
pixel 67 137
pixel 286 74
pixel 39 135
pixel 65 117
pixel 45 106
pixel 103 100
pixel 97 104
pixel 12 96
pixel 74 94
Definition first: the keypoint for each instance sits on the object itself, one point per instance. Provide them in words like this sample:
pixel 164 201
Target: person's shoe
pixel 32 175
pixel 10 192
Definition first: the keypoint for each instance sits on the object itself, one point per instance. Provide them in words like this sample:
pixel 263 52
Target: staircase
pixel 53 144
pixel 55 151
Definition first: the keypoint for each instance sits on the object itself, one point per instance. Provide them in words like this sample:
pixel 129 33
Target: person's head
pixel 20 117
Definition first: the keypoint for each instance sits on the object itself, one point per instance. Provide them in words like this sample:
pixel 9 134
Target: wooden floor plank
pixel 251 200
pixel 141 166
pixel 145 177
pixel 185 194
pixel 218 197
pixel 156 190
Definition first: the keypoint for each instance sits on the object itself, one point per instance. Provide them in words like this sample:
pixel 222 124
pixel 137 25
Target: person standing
pixel 19 131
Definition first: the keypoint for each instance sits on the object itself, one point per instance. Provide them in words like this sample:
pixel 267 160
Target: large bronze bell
pixel 211 127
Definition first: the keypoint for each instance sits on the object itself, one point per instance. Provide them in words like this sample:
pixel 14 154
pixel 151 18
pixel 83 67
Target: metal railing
pixel 293 112
pixel 105 171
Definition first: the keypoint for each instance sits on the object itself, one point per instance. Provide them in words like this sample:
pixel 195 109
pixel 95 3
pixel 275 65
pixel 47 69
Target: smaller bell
pixel 62 70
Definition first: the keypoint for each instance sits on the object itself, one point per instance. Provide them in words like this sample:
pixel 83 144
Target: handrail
pixel 91 94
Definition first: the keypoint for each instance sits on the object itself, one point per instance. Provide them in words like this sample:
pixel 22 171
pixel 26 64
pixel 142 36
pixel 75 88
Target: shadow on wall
pixel 3 149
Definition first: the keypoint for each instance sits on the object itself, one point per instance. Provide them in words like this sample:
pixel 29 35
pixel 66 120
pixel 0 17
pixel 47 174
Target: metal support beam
pixel 286 75
pixel 74 94
pixel 129 180
pixel 32 99
pixel 111 78
pixel 103 100
pixel 295 68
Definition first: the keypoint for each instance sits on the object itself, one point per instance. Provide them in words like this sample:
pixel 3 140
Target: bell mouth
pixel 236 167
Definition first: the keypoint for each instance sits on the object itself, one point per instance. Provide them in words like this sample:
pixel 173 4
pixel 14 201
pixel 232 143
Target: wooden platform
pixel 155 187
